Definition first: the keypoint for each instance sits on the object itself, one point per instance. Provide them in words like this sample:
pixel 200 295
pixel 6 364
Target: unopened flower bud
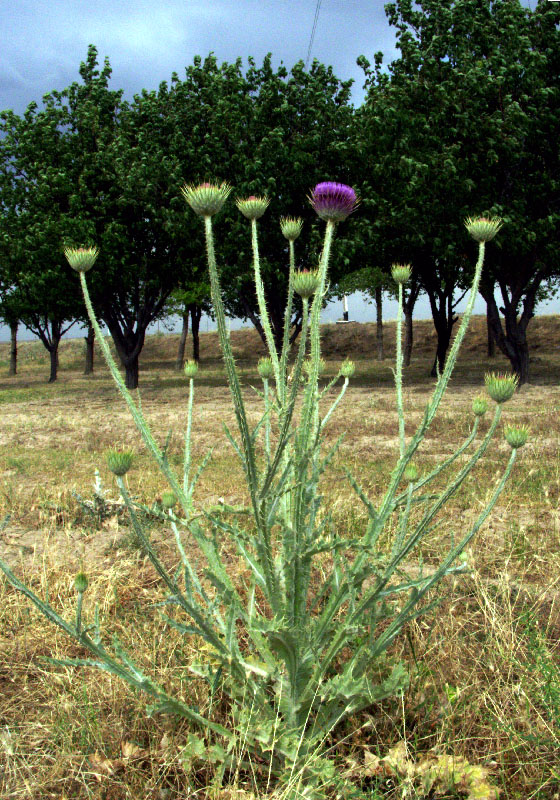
pixel 410 473
pixel 483 229
pixel 347 368
pixel 500 387
pixel 81 259
pixel 291 227
pixel 168 499
pixel 190 369
pixel 321 367
pixel 265 368
pixel 306 282
pixel 516 435
pixel 81 582
pixel 479 405
pixel 253 207
pixel 119 462
pixel 401 273
pixel 207 198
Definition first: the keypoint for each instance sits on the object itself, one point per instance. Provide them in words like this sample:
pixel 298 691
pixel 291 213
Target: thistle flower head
pixel 401 273
pixel 190 369
pixel 321 366
pixel 306 282
pixel 483 229
pixel 119 461
pixel 333 202
pixel 500 387
pixel 253 207
pixel 206 199
pixel 347 368
pixel 265 368
pixel 168 499
pixel 410 473
pixel 81 259
pixel 516 435
pixel 291 227
pixel 479 405
pixel 81 582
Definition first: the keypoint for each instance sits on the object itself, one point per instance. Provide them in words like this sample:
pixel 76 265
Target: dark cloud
pixel 42 43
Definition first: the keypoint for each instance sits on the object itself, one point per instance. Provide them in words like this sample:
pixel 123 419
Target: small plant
pixel 303 643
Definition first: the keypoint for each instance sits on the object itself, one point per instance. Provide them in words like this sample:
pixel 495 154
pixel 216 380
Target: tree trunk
pixel 196 314
pixel 90 341
pixel 408 307
pixel 13 348
pixel 180 360
pixel 513 342
pixel 53 351
pixel 254 319
pixel 491 342
pixel 131 373
pixel 379 320
pixel 128 345
pixel 408 337
pixel 444 320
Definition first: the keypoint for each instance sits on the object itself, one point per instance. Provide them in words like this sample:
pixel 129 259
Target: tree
pixel 372 282
pixel 465 122
pixel 127 199
pixel 9 315
pixel 189 301
pixel 35 189
pixel 266 132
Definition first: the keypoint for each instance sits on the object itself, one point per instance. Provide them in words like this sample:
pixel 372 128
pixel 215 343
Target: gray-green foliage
pixel 304 642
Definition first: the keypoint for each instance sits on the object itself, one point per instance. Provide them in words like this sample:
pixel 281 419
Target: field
pixel 484 666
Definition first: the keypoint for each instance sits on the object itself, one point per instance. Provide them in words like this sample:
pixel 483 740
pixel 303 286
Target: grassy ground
pixel 485 666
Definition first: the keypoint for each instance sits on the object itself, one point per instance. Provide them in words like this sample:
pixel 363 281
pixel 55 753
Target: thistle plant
pixel 305 643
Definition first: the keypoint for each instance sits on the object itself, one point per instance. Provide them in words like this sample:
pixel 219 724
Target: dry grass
pixel 485 672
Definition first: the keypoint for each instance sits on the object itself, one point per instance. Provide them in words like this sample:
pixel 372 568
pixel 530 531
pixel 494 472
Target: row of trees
pixel 466 120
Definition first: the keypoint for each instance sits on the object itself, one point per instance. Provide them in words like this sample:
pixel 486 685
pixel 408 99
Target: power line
pixel 317 9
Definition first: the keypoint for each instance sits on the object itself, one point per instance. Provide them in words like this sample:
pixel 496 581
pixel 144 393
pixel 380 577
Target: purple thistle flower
pixel 333 201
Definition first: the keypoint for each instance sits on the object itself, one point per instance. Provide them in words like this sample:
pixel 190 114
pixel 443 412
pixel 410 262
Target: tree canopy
pixel 465 122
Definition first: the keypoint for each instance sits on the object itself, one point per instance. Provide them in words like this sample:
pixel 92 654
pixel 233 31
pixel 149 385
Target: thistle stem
pixel 398 372
pixel 264 545
pixel 136 412
pixel 263 311
pixel 267 410
pixel 281 387
pixel 187 460
pixel 310 417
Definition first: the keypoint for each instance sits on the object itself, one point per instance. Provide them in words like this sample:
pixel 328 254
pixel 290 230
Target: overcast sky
pixel 42 43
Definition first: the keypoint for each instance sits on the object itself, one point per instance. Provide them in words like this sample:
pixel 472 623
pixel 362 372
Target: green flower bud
pixel 207 198
pixel 410 473
pixel 401 273
pixel 168 499
pixel 81 259
pixel 291 227
pixel 253 207
pixel 516 435
pixel 321 366
pixel 191 369
pixel 479 405
pixel 306 282
pixel 81 582
pixel 483 229
pixel 119 462
pixel 265 368
pixel 500 387
pixel 347 368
